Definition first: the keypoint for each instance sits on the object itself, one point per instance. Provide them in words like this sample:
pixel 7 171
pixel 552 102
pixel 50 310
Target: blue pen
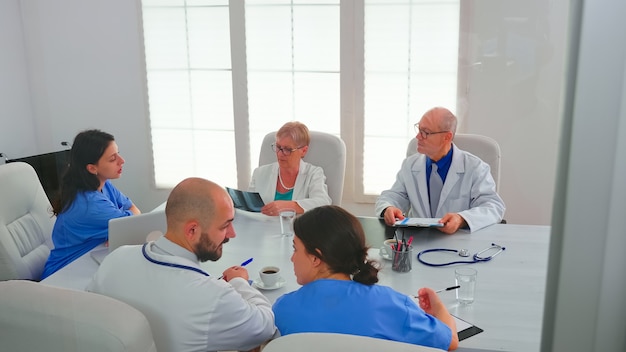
pixel 247 262
pixel 242 264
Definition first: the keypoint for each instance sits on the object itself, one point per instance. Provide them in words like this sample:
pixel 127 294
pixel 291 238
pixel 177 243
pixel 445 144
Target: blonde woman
pixel 290 182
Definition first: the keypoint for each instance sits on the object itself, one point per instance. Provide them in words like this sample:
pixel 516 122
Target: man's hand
pixel 235 271
pixel 451 223
pixel 392 214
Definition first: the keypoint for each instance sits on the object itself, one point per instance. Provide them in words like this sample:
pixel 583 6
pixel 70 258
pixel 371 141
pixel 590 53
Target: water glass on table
pixel 466 279
pixel 286 221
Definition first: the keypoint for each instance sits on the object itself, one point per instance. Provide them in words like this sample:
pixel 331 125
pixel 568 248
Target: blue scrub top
pixel 84 225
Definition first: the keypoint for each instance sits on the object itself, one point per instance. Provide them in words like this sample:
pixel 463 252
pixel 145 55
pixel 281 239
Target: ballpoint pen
pixel 444 289
pixel 448 288
pixel 242 264
pixel 408 244
pixel 247 262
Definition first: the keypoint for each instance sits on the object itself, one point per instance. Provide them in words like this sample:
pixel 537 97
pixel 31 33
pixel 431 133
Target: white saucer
pixel 259 284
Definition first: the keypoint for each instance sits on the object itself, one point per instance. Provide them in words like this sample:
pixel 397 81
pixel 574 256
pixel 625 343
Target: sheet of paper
pixel 461 324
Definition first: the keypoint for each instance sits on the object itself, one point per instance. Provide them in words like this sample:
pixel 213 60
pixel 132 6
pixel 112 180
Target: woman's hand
pixel 430 302
pixel 274 208
pixel 133 209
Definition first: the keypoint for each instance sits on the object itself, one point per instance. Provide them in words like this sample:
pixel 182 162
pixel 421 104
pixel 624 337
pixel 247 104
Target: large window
pixel 411 54
pixel 223 74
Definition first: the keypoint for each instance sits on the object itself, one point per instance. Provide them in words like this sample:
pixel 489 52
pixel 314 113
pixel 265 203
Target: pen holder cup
pixel 402 261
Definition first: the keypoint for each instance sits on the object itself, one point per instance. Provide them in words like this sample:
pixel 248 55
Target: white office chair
pixel 326 151
pixel 38 317
pixel 486 148
pixel 329 342
pixel 26 223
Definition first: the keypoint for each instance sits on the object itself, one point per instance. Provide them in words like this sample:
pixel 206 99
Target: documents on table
pixel 465 329
pixel 418 222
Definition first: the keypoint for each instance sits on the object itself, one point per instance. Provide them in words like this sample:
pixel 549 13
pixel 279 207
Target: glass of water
pixel 286 221
pixel 466 279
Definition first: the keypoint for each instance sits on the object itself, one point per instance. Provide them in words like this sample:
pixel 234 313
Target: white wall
pixel 85 67
pixel 513 82
pixel 17 125
pixel 84 62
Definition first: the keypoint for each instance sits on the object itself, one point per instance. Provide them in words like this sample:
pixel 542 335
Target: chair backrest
pixel 26 223
pixel 486 148
pixel 329 342
pixel 37 317
pixel 326 151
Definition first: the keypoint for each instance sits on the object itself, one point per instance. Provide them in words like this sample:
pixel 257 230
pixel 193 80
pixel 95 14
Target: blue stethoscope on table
pixel 476 258
pixel 172 265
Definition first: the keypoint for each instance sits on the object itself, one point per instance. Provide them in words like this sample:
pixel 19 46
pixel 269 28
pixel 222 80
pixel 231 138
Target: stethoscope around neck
pixel 476 258
pixel 171 265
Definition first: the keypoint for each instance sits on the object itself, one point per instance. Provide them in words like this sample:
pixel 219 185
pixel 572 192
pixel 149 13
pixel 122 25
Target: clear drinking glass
pixel 286 221
pixel 466 279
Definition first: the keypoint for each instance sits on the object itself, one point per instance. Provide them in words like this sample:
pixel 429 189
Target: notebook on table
pixel 131 230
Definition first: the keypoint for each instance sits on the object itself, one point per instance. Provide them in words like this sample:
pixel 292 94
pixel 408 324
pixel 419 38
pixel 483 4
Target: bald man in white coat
pixel 188 309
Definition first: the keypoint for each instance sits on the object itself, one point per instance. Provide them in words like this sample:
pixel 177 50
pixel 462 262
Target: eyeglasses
pixel 423 133
pixel 284 150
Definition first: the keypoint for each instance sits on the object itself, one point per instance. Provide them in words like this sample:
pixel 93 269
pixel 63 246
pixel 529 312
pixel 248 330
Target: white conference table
pixel 509 294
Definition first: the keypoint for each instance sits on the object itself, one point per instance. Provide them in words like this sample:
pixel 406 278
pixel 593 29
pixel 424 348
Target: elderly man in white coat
pixel 442 181
pixel 188 309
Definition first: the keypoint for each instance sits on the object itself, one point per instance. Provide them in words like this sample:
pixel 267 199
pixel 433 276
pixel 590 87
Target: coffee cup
pixel 269 275
pixel 386 251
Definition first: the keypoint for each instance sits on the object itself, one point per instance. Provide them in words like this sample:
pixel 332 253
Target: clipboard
pixel 464 329
pixel 418 222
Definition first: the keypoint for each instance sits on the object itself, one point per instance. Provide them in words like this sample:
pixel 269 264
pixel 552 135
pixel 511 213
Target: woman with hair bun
pixel 339 292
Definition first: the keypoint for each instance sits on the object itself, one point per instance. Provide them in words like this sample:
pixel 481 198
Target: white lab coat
pixel 469 190
pixel 187 311
pixel 310 190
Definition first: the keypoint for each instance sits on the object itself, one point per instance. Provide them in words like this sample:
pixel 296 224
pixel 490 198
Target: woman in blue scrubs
pixel 339 292
pixel 88 200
